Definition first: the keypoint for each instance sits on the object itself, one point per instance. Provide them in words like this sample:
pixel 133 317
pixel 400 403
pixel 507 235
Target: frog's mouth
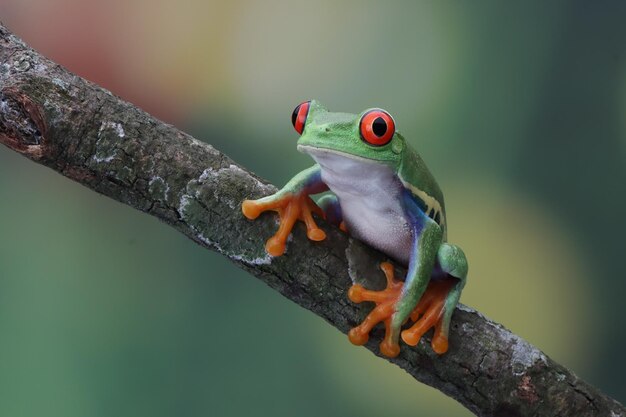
pixel 317 152
pixel 379 156
pixel 343 164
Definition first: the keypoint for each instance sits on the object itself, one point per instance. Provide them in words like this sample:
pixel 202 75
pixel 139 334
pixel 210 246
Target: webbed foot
pixel 429 313
pixel 290 207
pixel 385 307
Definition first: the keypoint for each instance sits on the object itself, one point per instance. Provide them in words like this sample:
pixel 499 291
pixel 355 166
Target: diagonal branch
pixel 87 134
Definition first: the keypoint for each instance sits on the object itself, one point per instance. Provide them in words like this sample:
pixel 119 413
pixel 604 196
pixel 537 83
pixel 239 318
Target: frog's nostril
pixel 327 129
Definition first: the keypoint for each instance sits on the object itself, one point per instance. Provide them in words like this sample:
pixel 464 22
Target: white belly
pixel 370 196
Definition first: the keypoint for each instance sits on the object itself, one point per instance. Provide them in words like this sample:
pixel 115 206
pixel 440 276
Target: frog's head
pixel 370 135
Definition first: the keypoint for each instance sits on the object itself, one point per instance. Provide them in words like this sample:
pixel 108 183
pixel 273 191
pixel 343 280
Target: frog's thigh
pixel 453 262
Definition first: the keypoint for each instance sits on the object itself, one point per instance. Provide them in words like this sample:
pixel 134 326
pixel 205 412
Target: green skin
pixel 418 201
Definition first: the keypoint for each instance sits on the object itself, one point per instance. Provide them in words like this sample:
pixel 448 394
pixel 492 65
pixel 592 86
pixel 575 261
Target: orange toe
pixel 439 344
pixel 355 293
pixel 358 337
pixel 275 246
pixel 389 349
pixel 316 235
pixel 250 209
pixel 410 339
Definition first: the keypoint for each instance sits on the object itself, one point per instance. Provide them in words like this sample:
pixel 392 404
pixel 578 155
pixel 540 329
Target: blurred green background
pixel 519 110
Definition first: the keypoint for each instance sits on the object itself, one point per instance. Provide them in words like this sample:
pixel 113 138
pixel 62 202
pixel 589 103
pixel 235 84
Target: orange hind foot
pixel 385 307
pixel 427 314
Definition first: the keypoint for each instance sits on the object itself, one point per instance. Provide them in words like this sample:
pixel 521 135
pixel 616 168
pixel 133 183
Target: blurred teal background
pixel 519 110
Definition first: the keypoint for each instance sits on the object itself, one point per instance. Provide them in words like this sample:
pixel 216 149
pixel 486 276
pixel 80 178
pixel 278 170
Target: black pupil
pixel 379 126
pixel 294 115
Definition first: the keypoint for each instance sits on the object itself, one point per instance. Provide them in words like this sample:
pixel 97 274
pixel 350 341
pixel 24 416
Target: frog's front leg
pixel 292 203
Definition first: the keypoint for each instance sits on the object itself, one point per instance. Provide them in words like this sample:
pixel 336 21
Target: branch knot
pixel 22 126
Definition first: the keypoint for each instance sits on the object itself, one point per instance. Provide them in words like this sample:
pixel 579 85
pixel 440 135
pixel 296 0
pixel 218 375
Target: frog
pixel 376 188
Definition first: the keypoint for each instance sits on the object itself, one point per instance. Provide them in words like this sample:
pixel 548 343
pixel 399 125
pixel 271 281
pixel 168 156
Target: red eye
pixel 377 127
pixel 298 117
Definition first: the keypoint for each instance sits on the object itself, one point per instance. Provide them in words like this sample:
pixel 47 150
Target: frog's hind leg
pixel 440 299
pixel 400 299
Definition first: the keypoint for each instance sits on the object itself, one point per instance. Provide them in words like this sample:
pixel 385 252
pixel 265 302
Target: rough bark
pixel 89 135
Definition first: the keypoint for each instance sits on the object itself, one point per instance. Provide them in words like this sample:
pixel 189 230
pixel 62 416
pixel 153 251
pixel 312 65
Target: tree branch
pixel 84 132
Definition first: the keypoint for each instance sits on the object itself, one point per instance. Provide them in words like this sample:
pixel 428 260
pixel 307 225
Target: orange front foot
pixel 385 307
pixel 290 208
pixel 429 313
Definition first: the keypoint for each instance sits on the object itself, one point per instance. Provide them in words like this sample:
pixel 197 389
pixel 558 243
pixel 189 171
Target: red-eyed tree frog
pixel 381 193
